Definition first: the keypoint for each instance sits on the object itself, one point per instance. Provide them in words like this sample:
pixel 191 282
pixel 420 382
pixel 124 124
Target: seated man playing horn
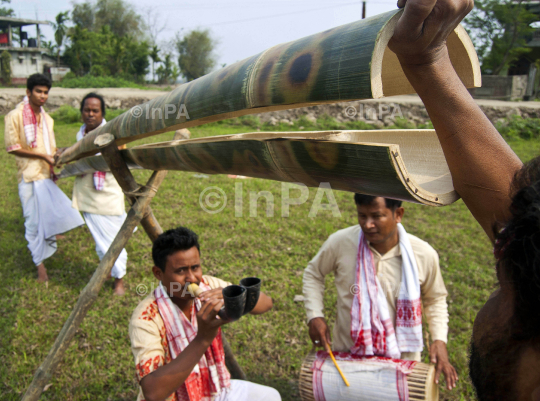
pixel 502 194
pixel 176 337
pixel 385 279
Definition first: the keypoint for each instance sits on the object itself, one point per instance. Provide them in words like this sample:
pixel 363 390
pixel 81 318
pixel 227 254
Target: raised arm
pixel 481 163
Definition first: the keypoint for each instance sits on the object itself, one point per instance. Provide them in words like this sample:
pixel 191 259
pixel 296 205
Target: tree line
pixel 109 38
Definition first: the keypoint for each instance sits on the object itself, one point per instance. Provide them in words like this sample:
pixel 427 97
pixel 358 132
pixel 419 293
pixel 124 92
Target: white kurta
pixel 103 211
pixel 47 212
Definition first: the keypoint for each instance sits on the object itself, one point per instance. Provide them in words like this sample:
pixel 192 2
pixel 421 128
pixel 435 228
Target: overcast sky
pixel 243 27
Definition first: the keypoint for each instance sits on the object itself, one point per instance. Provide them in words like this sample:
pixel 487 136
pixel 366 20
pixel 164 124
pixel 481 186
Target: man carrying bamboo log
pixel 99 197
pixel 29 136
pixel 176 337
pixel 502 194
pixel 384 276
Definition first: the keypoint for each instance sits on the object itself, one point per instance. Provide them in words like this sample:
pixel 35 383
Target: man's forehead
pixel 40 88
pixel 92 102
pixel 377 204
pixel 183 258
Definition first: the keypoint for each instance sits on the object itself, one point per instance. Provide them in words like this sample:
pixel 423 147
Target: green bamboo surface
pixel 331 66
pixel 337 158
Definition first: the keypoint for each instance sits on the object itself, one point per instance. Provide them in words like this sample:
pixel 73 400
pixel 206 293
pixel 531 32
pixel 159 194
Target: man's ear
pixel 400 211
pixel 158 273
pixel 28 93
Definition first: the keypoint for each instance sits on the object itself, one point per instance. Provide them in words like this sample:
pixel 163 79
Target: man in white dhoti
pixel 385 278
pixel 29 136
pixel 99 196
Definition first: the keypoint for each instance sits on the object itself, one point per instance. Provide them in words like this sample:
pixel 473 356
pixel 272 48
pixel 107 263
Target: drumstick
pixel 337 367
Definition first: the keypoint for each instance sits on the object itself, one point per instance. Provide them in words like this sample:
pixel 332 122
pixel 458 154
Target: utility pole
pixel 363 10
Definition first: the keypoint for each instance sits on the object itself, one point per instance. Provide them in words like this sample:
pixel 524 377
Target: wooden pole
pixel 363 10
pixel 127 182
pixel 91 291
pixel 230 361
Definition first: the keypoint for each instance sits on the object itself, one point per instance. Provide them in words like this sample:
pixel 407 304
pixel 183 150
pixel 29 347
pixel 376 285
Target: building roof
pixel 17 22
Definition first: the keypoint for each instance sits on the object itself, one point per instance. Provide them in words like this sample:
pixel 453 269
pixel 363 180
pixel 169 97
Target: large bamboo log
pixel 345 63
pixel 91 291
pixel 398 164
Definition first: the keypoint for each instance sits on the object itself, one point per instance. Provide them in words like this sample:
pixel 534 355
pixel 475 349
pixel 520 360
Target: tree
pixel 154 55
pixel 105 54
pixel 6 12
pixel 500 30
pixel 5 67
pixel 168 72
pixel 119 15
pixel 195 51
pixel 60 31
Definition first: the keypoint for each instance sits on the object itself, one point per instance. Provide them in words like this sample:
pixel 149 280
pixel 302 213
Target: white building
pixel 27 55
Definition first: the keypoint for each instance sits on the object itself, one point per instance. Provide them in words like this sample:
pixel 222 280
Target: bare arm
pixel 33 155
pixel 481 163
pixel 163 382
pixel 264 304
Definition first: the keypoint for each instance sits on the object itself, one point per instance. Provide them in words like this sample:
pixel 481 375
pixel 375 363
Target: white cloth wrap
pixel 47 212
pixel 104 230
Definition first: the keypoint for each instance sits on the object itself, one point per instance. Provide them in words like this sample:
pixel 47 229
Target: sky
pixel 242 27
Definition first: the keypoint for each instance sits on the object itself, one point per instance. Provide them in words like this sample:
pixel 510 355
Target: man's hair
pixel 171 241
pixel 37 80
pixel 493 370
pixel 518 248
pixel 93 95
pixel 361 199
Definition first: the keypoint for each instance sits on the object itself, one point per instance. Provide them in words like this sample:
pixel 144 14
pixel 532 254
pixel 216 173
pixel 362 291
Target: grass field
pixel 270 348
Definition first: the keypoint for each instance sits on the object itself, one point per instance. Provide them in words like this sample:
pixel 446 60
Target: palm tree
pixel 154 55
pixel 60 30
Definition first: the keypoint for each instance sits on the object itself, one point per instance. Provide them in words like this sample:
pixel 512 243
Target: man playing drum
pixel 502 194
pixel 385 279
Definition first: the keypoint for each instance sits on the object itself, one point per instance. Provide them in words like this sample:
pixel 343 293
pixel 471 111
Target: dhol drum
pixel 421 381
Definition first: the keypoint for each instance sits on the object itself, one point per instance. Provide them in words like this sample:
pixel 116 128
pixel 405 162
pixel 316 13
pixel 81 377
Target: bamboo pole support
pixel 91 291
pixel 127 182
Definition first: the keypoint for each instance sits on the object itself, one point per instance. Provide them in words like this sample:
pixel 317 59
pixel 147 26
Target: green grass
pixel 98 364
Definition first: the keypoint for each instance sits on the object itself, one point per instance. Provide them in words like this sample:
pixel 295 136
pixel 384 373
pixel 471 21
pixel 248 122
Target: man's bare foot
pixel 59 236
pixel 42 273
pixel 119 287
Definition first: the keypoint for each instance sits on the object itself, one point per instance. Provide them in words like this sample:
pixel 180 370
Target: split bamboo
pixel 398 164
pixel 345 63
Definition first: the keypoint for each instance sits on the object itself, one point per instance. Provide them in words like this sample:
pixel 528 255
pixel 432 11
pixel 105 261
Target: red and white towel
pixel 30 130
pixel 210 376
pixel 99 176
pixel 371 327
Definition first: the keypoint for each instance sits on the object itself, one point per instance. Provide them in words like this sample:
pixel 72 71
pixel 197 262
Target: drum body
pixel 421 381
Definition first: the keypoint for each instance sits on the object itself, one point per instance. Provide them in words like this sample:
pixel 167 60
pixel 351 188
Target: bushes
pixel 67 114
pixel 90 81
pixel 5 67
pixel 517 127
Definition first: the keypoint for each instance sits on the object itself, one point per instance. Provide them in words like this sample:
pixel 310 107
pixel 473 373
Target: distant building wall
pixel 501 88
pixel 25 63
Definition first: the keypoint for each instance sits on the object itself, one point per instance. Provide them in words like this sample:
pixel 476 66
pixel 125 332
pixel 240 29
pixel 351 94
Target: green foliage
pixel 118 15
pixel 105 54
pixel 60 31
pixel 154 55
pixel 5 67
pixel 89 81
pixel 500 30
pixel 6 12
pixel 517 127
pixel 167 72
pixel 402 123
pixel 195 51
pixel 66 114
